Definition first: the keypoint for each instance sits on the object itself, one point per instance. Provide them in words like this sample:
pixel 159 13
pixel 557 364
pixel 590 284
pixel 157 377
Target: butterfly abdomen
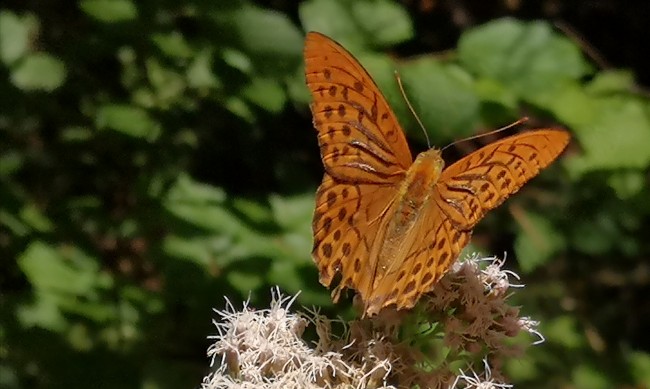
pixel 413 195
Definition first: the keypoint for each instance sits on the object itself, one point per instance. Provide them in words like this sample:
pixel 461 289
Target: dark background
pixel 157 156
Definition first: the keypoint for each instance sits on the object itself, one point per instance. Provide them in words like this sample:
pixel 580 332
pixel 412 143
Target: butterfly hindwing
pixel 347 220
pixel 435 245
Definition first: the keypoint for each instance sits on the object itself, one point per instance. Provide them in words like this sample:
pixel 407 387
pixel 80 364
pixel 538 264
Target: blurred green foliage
pixel 157 156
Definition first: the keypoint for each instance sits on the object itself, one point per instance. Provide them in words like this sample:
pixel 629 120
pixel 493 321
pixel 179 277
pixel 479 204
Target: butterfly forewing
pixel 482 180
pixel 359 137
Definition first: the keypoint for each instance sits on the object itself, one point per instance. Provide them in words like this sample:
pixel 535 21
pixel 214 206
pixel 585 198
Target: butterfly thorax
pixel 413 195
pixel 417 186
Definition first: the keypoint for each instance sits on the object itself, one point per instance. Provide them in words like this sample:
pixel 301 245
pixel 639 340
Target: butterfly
pixel 390 226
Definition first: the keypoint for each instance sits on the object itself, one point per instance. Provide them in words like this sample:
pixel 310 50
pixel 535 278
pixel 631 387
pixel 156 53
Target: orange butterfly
pixel 390 226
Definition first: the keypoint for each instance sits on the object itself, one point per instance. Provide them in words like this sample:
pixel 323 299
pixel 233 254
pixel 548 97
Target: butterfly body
pixel 420 180
pixel 391 226
pixel 413 195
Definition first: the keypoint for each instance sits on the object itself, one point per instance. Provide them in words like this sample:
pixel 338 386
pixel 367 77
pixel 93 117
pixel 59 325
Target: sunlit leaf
pixel 537 241
pixel 38 71
pixel 110 11
pixel 384 22
pixel 586 376
pixel 445 100
pixel 640 363
pixel 129 120
pixel 528 57
pixel 266 93
pixel 564 331
pixel 14 36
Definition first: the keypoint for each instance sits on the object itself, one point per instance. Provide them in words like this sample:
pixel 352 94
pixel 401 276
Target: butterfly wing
pixel 359 137
pixel 347 221
pixel 463 194
pixel 482 180
pixel 434 245
pixel 365 155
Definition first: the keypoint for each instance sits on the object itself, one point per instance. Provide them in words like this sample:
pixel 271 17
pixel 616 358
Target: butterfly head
pixel 430 162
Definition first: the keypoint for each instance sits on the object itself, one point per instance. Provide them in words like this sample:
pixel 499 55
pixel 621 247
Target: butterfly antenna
pixel 408 103
pixel 518 122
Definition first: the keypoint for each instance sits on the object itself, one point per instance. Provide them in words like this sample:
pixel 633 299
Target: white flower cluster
pixel 264 349
pixel 467 310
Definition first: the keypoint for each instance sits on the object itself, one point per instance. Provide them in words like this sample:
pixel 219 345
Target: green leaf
pixel 285 274
pixel 203 206
pixel 222 249
pixel 43 312
pixel 168 84
pixel 639 363
pixel 266 93
pixel 611 81
pixel 252 211
pixel 237 59
pixel 293 213
pixel 15 34
pixel 358 24
pixel 189 191
pixel 384 22
pixel 173 44
pixel 209 217
pixel 499 104
pixel 204 251
pixel 240 108
pixel 297 244
pixel 572 106
pixel 443 98
pixel 616 137
pixel 232 237
pixel 269 37
pixel 492 91
pixel 521 369
pixel 110 11
pixel 527 57
pixel 612 129
pixel 334 19
pixel 76 134
pixel 10 162
pixel 595 235
pixel 199 72
pixel 129 120
pixel 297 89
pixel 17 227
pixel 33 217
pixel 55 271
pixel 38 71
pixel 537 242
pixel 245 281
pixel 563 331
pixel 592 377
pixel 627 184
